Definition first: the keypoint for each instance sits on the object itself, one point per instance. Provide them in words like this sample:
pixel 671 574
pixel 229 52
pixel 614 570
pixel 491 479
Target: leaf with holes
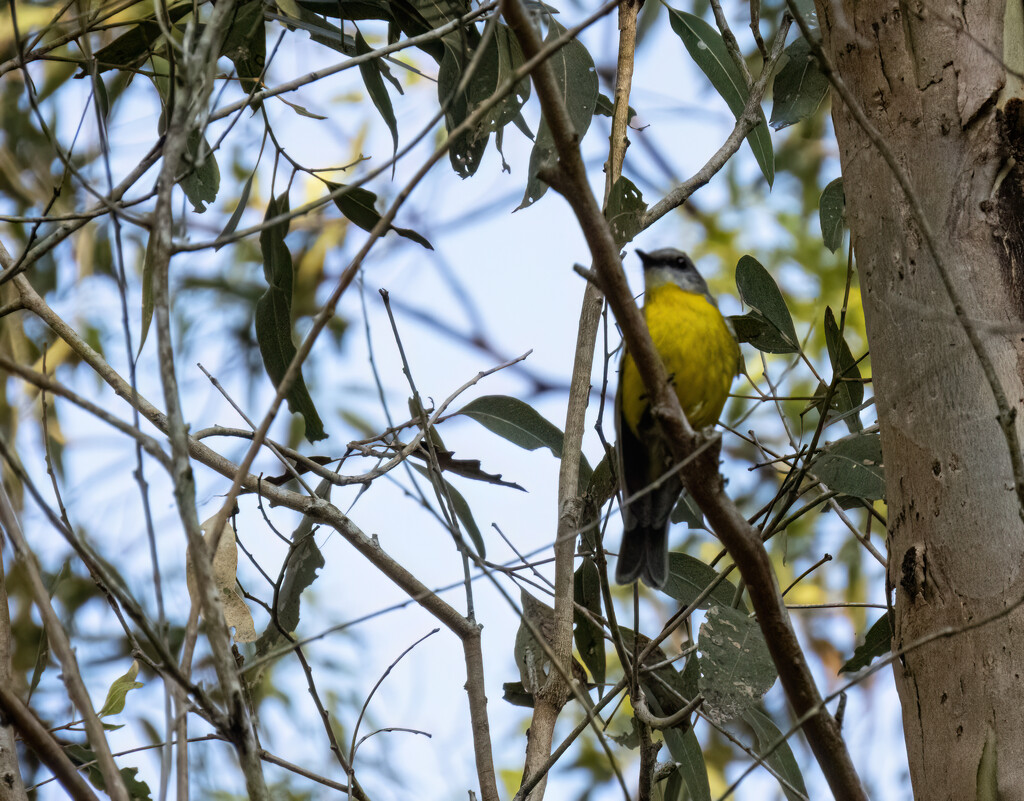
pixel 625 211
pixel 574 71
pixel 736 669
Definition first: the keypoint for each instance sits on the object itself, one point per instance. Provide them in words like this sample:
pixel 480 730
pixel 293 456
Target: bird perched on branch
pixel 700 353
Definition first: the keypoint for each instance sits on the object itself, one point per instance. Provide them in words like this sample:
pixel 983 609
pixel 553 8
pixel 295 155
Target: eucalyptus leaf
pixel 522 425
pixel 779 757
pixel 274 318
pixel 357 206
pixel 758 290
pixel 686 752
pixel 374 83
pixel 877 643
pixel 588 635
pixel 853 466
pixel 849 389
pixel 708 51
pixel 736 669
pixel 246 44
pixel 832 214
pixel 576 76
pixel 625 210
pixel 201 181
pixel 798 88
pixel 688 577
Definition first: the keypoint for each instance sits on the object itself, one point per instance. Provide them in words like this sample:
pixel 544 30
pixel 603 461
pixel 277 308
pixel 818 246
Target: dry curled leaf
pixel 225 566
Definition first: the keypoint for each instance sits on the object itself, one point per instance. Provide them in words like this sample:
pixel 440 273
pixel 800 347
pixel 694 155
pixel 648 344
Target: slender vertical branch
pixel 10 771
pixel 553 696
pixel 61 647
pixel 191 86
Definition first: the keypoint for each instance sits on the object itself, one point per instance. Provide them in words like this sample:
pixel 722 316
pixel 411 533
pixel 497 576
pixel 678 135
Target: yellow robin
pixel 700 353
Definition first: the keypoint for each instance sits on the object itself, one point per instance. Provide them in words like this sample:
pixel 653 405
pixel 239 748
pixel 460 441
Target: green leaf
pixel 274 318
pixel 300 571
pixel 606 108
pixel 753 329
pixel 799 87
pixel 988 778
pixel 758 290
pixel 122 685
pixel 625 211
pixel 521 424
pixel 515 693
pixel 669 788
pixel 736 669
pixel 82 754
pixel 708 51
pixel 577 82
pixel 246 44
pixel 374 82
pixel 688 512
pixel 147 293
pixel 349 9
pixel 832 214
pixel 589 636
pixel 853 466
pixel 501 57
pixel 236 215
pixel 849 391
pixel 781 758
pixel 465 515
pixel 688 577
pixel 102 99
pixel 132 48
pixel 808 11
pixel 202 181
pixel 462 510
pixel 686 752
pixel 356 205
pixel 321 31
pixel 877 642
pixel 466 149
pixel 439 12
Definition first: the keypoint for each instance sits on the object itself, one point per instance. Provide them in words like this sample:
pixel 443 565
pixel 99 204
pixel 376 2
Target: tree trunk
pixel 931 78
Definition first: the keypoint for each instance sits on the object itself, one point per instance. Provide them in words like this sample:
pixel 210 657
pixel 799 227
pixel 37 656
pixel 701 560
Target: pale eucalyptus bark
pixel 931 79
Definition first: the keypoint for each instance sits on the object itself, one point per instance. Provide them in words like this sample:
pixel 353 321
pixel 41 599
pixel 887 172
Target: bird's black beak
pixel 646 259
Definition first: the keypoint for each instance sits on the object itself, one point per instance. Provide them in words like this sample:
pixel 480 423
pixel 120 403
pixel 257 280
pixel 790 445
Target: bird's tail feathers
pixel 643 555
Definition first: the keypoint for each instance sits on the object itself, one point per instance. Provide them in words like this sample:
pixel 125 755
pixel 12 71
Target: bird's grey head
pixel 668 265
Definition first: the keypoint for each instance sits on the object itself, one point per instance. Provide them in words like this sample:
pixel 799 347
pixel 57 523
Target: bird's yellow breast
pixel 699 352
